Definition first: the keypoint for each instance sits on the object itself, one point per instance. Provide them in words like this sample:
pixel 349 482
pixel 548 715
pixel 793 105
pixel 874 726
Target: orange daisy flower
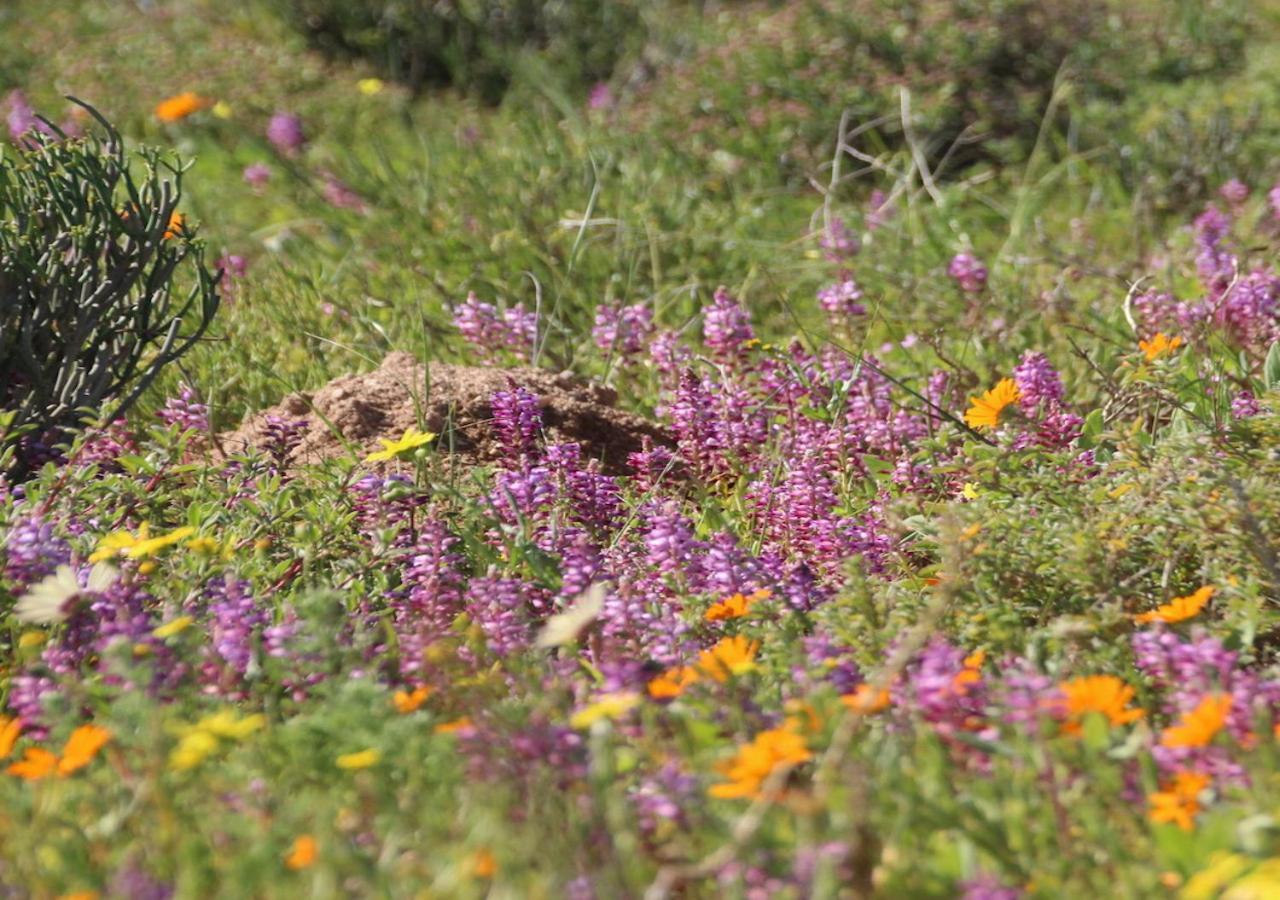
pixel 866 700
pixel 82 747
pixel 1179 609
pixel 1198 727
pixel 754 762
pixel 1180 801
pixel 1103 694
pixel 730 656
pixel 35 764
pixel 408 701
pixel 735 607
pixel 1158 346
pixel 9 731
pixel 672 683
pixel 303 853
pixel 984 411
pixel 179 106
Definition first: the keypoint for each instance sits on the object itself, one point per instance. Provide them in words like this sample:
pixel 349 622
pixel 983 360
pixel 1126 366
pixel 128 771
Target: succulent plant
pixel 102 283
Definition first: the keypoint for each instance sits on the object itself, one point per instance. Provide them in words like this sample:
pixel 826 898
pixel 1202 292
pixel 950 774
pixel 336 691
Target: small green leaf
pixel 1271 369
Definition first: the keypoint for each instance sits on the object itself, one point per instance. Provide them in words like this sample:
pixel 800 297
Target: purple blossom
pixel 22 119
pixel 105 446
pixel 695 424
pixel 340 195
pixel 838 241
pixel 968 272
pixel 517 419
pixel 33 551
pixel 432 598
pixel 878 211
pixel 234 268
pixel 1244 405
pixel 1215 264
pixel 236 622
pixel 670 547
pixel 601 96
pixel 502 607
pixel 650 466
pixel 185 411
pixel 669 355
pixel 282 437
pixel 1038 383
pixel 726 326
pixel 491 330
pixel 257 175
pixel 840 300
pixel 948 695
pixel 1234 192
pixel 988 887
pixel 624 331
pixel 1249 310
pixel 285 133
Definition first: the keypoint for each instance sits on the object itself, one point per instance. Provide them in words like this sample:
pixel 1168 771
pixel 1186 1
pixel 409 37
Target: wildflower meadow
pixel 674 449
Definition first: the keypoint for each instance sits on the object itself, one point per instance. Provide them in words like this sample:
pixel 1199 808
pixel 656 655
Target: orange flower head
pixel 9 731
pixel 1180 801
pixel 1159 346
pixel 672 683
pixel 82 747
pixel 484 864
pixel 1198 727
pixel 730 656
pixel 177 226
pixel 1179 609
pixel 179 106
pixel 735 607
pixel 35 764
pixel 984 411
pixel 409 701
pixel 866 700
pixel 303 853
pixel 755 762
pixel 1103 694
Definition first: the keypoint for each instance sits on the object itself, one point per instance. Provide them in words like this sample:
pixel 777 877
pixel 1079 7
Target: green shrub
pixel 91 249
pixel 471 44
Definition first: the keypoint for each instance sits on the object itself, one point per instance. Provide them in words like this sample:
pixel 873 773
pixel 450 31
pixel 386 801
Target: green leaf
pixel 1271 368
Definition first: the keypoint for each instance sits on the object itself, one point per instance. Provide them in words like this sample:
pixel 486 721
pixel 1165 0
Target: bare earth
pixel 453 402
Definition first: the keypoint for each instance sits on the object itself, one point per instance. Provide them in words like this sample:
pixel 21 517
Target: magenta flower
pixel 257 175
pixel 968 272
pixel 285 133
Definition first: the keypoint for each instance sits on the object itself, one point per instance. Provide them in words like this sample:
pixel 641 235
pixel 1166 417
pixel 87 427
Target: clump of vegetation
pixel 102 282
pixel 474 46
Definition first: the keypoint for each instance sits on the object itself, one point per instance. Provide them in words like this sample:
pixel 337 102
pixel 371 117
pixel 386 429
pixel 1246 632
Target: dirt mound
pixel 454 403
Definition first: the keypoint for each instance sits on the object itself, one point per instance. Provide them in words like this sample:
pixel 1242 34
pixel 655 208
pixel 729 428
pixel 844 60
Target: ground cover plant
pixel 927 546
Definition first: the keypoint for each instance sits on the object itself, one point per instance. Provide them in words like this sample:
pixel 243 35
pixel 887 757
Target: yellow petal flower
pixel 169 629
pixel 362 759
pixel 412 440
pixel 608 706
